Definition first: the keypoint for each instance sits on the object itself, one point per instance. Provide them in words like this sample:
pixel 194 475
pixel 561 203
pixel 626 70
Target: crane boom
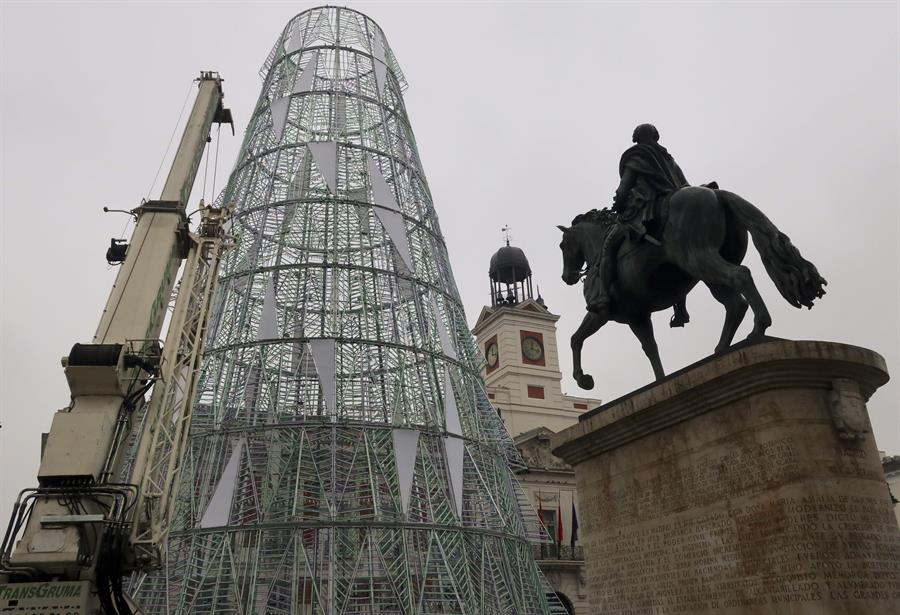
pixel 158 244
pixel 157 464
pixel 72 538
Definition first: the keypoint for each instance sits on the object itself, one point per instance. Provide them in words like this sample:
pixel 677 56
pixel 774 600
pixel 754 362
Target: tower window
pixel 535 391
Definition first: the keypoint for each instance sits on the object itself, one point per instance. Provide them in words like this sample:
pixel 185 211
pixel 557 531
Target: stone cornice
pixel 743 371
pixel 515 312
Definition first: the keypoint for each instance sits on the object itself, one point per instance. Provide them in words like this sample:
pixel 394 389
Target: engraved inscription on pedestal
pixel 794 549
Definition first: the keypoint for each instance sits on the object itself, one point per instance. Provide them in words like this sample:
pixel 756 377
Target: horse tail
pixel 796 278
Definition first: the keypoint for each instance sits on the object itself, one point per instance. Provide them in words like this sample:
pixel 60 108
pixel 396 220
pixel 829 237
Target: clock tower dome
pixel 517 334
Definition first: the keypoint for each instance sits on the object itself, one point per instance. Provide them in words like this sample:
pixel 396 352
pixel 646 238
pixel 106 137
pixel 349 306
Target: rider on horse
pixel 649 175
pixel 701 235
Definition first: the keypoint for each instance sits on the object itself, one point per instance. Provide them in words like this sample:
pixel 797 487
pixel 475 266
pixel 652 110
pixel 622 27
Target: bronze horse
pixel 704 239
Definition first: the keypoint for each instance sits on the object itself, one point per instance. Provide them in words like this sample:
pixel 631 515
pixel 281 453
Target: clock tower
pixel 517 334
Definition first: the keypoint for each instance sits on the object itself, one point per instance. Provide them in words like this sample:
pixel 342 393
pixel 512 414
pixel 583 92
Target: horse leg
pixel 714 270
pixel 590 325
pixel 735 309
pixel 643 330
pixel 681 316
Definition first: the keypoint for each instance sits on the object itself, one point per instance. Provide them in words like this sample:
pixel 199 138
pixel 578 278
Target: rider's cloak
pixel 654 164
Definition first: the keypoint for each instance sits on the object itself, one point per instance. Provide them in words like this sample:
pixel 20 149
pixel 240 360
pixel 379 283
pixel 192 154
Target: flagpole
pixel 574 531
pixel 559 526
pixel 541 518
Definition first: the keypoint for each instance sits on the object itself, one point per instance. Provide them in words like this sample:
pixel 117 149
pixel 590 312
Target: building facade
pixel 518 337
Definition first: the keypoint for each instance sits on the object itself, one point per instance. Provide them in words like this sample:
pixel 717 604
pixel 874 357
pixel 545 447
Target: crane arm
pixel 80 529
pixel 156 467
pixel 138 299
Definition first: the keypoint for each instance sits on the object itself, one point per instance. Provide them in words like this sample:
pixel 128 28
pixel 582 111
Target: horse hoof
pixel 759 328
pixel 755 336
pixel 679 321
pixel 757 333
pixel 586 382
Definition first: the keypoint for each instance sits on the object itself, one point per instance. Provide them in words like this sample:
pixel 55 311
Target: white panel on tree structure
pixel 323 352
pixel 380 75
pixel 446 343
pixel 392 221
pixel 321 31
pixel 378 46
pixel 325 155
pixel 362 211
pixel 279 110
pixel 268 321
pixel 218 511
pixel 297 189
pixel 451 410
pixel 302 364
pixel 253 383
pixel 339 121
pixel 381 192
pixel 379 61
pixel 304 80
pixel 298 349
pixel 455 448
pixel 406 442
pixel 395 227
pixel 294 42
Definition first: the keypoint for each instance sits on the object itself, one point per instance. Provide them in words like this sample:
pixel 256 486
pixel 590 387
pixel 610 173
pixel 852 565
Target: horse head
pixel 582 241
pixel 573 254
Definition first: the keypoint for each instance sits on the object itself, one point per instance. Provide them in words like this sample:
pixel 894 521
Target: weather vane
pixel 506 229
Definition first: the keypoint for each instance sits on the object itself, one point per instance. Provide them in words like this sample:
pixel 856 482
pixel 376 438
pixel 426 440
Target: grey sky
pixel 521 112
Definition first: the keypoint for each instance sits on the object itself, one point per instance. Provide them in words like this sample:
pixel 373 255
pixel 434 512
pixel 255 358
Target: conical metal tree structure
pixel 344 457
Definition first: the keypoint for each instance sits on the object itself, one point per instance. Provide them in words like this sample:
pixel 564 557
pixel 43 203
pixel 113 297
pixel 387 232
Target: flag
pixel 559 527
pixel 574 525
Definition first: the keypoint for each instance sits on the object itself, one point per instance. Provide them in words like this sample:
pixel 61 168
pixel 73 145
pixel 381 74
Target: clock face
pixel 492 354
pixel 532 348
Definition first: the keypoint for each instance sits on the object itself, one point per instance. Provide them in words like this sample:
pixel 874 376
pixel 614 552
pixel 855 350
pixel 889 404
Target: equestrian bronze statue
pixel 659 239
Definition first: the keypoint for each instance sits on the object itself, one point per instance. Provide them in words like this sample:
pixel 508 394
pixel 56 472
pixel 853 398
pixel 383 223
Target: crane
pixel 110 466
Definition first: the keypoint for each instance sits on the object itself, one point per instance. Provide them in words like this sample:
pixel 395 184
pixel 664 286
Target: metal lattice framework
pixel 343 457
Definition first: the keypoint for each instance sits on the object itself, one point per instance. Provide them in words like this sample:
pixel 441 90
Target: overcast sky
pixel 520 111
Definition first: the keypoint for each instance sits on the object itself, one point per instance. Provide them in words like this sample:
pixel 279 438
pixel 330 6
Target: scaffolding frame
pixel 343 455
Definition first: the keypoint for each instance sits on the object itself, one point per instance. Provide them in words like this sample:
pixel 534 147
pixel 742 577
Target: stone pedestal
pixel 747 483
